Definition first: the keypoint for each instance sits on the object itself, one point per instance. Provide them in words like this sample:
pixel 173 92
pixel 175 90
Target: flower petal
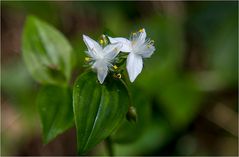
pixel 112 50
pixel 134 66
pixel 138 40
pixel 102 70
pixel 101 74
pixel 126 44
pixel 142 35
pixel 93 46
pixel 146 51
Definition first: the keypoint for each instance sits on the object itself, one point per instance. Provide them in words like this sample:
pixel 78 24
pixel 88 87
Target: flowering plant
pixel 96 108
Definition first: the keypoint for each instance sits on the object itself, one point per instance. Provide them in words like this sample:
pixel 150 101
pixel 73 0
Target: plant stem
pixel 109 146
pixel 129 93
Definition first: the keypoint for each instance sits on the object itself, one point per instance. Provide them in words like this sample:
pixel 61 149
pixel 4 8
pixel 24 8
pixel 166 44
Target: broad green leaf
pixel 56 112
pixel 99 109
pixel 46 52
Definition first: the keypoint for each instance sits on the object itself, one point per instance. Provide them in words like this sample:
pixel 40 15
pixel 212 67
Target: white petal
pixel 101 74
pixel 138 38
pixel 142 35
pixel 112 50
pixel 125 42
pixel 92 45
pixel 134 66
pixel 102 70
pixel 147 51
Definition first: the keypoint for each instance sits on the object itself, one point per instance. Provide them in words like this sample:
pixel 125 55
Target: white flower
pixel 101 58
pixel 138 48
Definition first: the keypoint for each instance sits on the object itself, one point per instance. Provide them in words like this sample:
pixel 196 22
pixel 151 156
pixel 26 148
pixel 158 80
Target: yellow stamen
pixel 141 30
pixel 115 67
pixel 118 76
pixel 134 33
pixel 87 59
pixel 101 41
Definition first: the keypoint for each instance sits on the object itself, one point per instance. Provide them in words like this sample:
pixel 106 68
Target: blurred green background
pixel 186 95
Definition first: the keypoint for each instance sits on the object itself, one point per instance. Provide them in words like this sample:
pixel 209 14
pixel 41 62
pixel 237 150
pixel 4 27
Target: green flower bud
pixel 131 114
pixel 103 40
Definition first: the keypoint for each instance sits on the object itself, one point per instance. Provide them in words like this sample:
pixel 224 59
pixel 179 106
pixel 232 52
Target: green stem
pixel 129 93
pixel 109 146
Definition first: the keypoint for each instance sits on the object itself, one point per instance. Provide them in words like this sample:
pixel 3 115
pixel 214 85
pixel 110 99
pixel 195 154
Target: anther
pixel 141 30
pixel 118 76
pixel 101 41
pixel 115 67
pixel 87 59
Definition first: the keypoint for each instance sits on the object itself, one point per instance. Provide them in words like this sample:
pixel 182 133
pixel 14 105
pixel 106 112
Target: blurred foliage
pixel 48 63
pixel 196 56
pixel 55 109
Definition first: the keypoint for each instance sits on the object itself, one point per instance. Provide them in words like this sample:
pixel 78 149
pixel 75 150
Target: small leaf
pixel 56 112
pixel 99 109
pixel 46 52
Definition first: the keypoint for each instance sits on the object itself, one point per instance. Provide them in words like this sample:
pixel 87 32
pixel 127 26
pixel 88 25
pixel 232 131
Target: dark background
pixel 190 82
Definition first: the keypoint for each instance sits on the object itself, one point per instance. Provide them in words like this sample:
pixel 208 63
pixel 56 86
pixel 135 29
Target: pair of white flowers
pixel 137 46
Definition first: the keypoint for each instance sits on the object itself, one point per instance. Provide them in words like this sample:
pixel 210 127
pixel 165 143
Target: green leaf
pixel 56 112
pixel 99 109
pixel 46 52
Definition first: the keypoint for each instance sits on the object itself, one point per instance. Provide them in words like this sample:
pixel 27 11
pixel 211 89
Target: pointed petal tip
pixel 100 79
pixel 125 43
pixel 110 38
pixel 84 37
pixel 134 66
pixel 131 79
pixel 102 73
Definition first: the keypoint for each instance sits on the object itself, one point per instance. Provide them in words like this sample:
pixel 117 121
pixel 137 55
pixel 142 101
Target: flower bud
pixel 131 114
pixel 103 40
